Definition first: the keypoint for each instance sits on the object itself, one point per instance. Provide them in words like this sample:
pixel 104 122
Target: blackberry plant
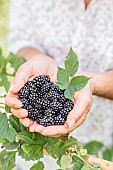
pixel 48 104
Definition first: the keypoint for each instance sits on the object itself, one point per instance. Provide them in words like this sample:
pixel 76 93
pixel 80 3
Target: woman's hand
pixel 37 65
pixel 82 104
pixel 46 66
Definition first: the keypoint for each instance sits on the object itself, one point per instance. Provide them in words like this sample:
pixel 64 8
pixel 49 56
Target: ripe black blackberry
pixel 45 102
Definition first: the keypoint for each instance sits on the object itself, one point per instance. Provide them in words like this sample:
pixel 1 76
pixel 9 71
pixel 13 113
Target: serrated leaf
pixel 38 166
pixel 10 145
pixel 24 155
pixel 79 82
pixel 6 130
pixel 25 136
pixel 33 150
pixel 71 63
pixel 62 77
pixel 69 92
pixel 78 163
pixel 65 162
pixel 56 148
pixel 40 139
pixel 15 60
pixel 7 160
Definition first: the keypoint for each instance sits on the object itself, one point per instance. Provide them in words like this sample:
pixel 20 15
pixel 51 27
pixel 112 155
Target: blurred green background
pixel 4 9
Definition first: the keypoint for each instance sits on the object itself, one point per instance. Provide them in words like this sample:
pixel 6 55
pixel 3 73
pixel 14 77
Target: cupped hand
pixel 82 104
pixel 38 65
pixel 46 66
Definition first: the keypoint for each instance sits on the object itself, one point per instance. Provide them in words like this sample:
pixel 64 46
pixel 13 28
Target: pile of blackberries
pixel 45 102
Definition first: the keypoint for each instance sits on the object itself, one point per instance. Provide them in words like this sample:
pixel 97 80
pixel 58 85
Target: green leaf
pixel 38 166
pixel 6 130
pixel 78 163
pixel 24 155
pixel 3 60
pixel 107 155
pixel 76 83
pixel 79 82
pixel 14 121
pixel 15 61
pixel 93 147
pixel 56 148
pixel 33 150
pixel 40 139
pixel 10 145
pixel 71 63
pixel 7 108
pixel 86 167
pixel 69 92
pixel 65 162
pixel 83 152
pixel 61 86
pixel 62 77
pixel 5 81
pixel 7 160
pixel 25 136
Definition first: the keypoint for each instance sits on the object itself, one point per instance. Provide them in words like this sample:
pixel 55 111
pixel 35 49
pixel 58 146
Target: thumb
pixel 79 109
pixel 22 76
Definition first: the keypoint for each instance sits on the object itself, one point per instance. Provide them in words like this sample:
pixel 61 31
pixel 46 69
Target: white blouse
pixel 53 26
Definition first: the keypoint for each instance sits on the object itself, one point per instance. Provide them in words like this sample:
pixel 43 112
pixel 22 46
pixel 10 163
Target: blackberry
pixel 38 103
pixel 47 78
pixel 45 88
pixel 40 79
pixel 24 92
pixel 56 106
pixel 45 102
pixel 59 120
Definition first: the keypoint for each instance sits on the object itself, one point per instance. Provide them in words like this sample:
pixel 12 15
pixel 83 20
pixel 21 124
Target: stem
pixel 83 160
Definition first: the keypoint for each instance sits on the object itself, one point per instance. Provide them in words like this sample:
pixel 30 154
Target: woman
pixel 43 29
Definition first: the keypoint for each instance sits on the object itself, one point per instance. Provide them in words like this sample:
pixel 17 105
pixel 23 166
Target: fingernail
pixel 12 87
pixel 71 123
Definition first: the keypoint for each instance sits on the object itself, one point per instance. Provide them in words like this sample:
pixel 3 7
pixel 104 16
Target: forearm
pixel 29 52
pixel 102 83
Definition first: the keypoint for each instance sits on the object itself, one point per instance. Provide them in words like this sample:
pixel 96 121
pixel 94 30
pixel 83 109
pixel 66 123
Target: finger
pixel 26 122
pixel 22 76
pixel 79 122
pixel 20 113
pixel 12 101
pixel 80 107
pixel 36 128
pixel 54 130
